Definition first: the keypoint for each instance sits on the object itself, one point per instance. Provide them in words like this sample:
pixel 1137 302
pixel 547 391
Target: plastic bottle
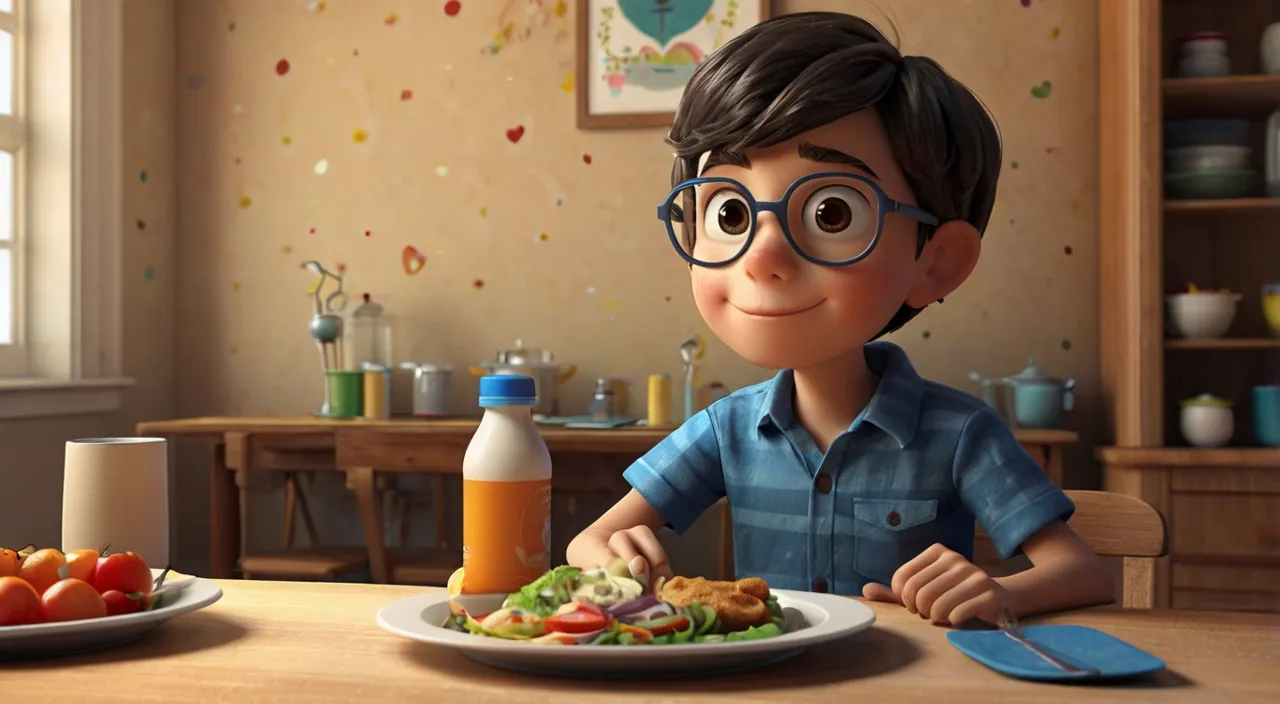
pixel 506 491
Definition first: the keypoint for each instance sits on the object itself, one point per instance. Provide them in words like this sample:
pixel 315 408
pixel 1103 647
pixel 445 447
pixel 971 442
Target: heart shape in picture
pixel 412 260
pixel 1042 91
pixel 663 21
pixel 515 133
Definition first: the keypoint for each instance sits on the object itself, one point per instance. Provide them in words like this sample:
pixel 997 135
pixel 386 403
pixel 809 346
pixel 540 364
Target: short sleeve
pixel 681 476
pixel 1002 486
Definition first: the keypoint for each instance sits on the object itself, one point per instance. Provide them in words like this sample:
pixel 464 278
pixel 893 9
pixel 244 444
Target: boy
pixel 827 188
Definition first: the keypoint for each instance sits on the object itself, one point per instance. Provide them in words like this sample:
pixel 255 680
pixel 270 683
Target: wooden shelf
pixel 1166 457
pixel 1224 343
pixel 1226 96
pixel 1221 205
pixel 1263 561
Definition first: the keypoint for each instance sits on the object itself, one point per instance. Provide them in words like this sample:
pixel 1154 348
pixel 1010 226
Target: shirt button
pixel 824 483
pixel 893 518
pixel 820 585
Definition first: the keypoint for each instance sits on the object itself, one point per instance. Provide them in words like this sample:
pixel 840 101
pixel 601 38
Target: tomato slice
pixel 576 621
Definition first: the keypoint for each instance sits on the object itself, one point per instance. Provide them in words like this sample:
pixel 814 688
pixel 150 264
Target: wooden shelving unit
pixel 1221 504
pixel 1225 343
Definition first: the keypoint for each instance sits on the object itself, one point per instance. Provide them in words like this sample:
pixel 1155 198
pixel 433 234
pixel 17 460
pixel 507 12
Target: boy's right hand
pixel 645 556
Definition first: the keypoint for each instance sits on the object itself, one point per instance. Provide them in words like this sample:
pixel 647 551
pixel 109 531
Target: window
pixel 60 206
pixel 11 142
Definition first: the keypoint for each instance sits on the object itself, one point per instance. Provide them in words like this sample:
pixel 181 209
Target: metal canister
pixel 431 389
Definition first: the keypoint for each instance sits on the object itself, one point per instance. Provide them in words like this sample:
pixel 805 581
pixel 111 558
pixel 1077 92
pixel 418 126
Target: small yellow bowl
pixel 1271 307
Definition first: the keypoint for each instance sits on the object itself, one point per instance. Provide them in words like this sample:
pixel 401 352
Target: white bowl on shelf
pixel 1202 315
pixel 1207 425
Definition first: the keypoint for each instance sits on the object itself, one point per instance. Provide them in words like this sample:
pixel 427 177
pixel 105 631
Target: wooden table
pixel 310 642
pixel 585 461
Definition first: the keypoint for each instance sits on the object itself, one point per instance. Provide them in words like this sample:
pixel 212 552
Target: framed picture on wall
pixel 635 56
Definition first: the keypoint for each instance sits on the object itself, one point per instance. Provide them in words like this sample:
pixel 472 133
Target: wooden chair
pixel 1114 525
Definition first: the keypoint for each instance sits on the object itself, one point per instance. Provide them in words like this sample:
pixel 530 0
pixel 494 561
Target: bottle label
pixel 506 534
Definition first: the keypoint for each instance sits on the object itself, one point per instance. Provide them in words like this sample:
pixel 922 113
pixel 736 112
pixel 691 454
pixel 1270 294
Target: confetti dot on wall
pixel 322 167
pixel 231 26
pixel 561 9
pixel 1012 221
pixel 484 212
pixel 282 67
pixel 515 133
pixel 926 334
pixel 342 268
pixel 355 52
pixel 412 260
pixel 237 160
pixel 1042 91
pixel 359 135
pixel 586 159
pixel 286 140
pixel 1050 150
pixel 591 289
pixel 477 284
pixel 543 237
pixel 442 171
pixel 286 249
pixel 406 94
pixel 149 273
pixel 1067 250
pixel 368 233
pixel 235 285
pixel 1066 344
pixel 233 349
pixel 667 298
pixel 1013 164
pixel 313 231
pixel 567 84
pixel 1055 32
pixel 391 19
pixel 1026 3
pixel 559 202
pixel 193 81
pixel 143 176
pixel 237 109
pixel 612 306
pixel 245 201
pixel 142 225
pixel 316 6
pixel 452 8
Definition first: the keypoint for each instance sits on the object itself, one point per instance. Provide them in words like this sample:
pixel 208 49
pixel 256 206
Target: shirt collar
pixel 894 408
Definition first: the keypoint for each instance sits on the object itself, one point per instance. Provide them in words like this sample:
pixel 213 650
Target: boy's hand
pixel 645 556
pixel 942 586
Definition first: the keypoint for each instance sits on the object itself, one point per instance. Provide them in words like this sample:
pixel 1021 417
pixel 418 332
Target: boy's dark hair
pixel 796 72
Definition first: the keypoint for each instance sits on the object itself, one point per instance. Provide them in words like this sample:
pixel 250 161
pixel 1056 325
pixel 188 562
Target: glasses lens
pixel 712 221
pixel 834 219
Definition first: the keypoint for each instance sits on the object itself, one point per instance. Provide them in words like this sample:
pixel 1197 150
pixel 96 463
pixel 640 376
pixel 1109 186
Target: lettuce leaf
pixel 557 579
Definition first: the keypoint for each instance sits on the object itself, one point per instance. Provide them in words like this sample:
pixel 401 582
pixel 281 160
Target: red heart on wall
pixel 515 133
pixel 412 260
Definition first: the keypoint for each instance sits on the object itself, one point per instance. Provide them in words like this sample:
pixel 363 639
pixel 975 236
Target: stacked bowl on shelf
pixel 1208 159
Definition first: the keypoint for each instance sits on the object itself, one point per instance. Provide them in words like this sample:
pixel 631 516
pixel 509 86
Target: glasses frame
pixel 884 203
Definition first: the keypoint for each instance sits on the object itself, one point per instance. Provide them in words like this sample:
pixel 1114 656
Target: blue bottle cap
pixel 507 390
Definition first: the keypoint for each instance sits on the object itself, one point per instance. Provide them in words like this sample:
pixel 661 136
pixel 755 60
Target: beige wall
pixel 244 132
pixel 31 450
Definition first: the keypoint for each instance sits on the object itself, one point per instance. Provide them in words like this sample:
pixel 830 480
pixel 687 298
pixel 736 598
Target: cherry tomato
pixel 9 562
pixel 41 568
pixel 119 603
pixel 583 619
pixel 19 603
pixel 72 599
pixel 123 571
pixel 81 564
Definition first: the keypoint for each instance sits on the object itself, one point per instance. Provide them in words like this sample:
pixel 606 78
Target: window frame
pixel 13 356
pixel 70 212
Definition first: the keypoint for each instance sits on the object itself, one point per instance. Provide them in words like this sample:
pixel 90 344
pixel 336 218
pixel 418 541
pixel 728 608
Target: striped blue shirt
pixel 917 466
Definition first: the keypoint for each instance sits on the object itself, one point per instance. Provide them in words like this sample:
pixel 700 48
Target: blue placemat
pixel 1078 645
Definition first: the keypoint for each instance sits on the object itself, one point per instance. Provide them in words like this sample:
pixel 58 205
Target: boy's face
pixel 778 310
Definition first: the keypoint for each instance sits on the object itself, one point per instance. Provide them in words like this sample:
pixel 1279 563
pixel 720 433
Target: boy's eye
pixel 837 210
pixel 727 214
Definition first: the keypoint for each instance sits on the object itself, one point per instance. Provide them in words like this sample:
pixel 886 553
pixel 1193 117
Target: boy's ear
pixel 948 259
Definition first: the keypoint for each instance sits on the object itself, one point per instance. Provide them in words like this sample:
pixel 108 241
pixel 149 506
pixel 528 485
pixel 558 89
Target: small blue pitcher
pixel 1037 399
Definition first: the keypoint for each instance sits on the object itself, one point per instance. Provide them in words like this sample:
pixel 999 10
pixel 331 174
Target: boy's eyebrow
pixel 827 155
pixel 725 157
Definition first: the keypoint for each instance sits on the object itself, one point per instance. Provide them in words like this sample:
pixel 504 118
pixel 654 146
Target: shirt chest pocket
pixel 889 532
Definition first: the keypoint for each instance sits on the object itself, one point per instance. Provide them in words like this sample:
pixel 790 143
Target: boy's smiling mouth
pixel 761 313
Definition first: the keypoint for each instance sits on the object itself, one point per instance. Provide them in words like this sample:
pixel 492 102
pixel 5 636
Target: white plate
pixel 811 619
pixel 45 639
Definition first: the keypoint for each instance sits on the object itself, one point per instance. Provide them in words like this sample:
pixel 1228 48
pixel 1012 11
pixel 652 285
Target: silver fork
pixel 1009 626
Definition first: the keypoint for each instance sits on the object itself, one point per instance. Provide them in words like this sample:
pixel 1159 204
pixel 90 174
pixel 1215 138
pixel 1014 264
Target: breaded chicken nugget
pixel 737 604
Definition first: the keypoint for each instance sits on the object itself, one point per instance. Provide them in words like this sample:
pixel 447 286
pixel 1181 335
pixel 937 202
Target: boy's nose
pixel 770 258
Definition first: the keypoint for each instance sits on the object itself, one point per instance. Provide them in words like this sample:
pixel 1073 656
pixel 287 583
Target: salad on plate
pixel 608 606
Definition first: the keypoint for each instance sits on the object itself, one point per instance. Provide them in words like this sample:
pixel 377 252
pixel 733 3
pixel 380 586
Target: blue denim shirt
pixel 917 466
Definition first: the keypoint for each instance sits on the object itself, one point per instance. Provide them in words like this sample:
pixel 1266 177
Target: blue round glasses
pixel 831 218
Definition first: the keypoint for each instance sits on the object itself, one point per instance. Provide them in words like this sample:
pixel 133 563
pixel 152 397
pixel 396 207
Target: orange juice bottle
pixel 506 492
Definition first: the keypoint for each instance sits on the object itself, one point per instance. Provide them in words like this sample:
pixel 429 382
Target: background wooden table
pixel 303 642
pixel 586 460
